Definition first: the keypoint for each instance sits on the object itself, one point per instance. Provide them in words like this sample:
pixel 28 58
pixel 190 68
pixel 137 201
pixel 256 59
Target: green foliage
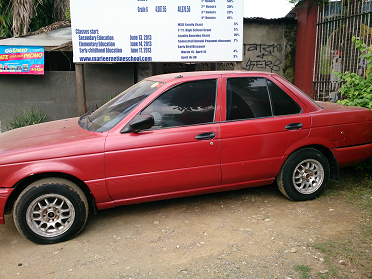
pixel 358 89
pixel 6 19
pixel 43 13
pixel 26 118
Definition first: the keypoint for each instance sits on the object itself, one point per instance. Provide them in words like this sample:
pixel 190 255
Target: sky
pixel 267 8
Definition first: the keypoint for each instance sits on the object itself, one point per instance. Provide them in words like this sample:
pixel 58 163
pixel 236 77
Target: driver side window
pixel 189 103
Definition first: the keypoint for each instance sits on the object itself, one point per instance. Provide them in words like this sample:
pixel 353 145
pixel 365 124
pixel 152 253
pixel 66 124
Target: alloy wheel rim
pixel 308 176
pixel 50 215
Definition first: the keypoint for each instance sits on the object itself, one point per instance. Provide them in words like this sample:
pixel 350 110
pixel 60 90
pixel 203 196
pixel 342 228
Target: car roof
pixel 188 75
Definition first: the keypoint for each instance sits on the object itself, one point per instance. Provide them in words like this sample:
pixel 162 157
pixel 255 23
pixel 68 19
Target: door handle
pixel 206 136
pixel 294 126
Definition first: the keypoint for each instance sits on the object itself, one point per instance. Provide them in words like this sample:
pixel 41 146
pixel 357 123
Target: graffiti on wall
pixel 263 57
pixel 220 66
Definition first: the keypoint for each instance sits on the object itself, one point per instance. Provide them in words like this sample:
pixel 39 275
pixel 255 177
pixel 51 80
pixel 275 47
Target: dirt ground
pixel 251 233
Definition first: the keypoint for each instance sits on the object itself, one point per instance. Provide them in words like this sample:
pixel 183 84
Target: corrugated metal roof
pixel 272 20
pixel 48 40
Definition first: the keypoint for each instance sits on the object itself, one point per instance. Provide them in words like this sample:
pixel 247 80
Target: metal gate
pixel 338 22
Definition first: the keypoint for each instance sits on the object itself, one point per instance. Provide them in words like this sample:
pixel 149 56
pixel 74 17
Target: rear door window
pixel 282 103
pixel 257 97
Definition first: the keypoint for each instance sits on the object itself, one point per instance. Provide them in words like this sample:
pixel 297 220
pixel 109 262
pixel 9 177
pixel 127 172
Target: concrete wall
pixel 104 81
pixel 269 46
pixel 55 92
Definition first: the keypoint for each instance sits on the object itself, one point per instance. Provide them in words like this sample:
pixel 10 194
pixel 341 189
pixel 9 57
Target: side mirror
pixel 138 123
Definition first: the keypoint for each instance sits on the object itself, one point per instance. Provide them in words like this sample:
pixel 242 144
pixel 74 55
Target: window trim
pixel 270 100
pixel 178 84
pixel 272 105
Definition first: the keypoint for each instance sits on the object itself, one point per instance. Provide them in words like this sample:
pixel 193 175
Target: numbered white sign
pixel 157 30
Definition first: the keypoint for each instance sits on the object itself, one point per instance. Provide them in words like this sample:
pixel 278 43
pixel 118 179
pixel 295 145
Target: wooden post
pixel 80 88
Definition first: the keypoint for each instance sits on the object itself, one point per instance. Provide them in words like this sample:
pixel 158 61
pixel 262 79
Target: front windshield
pixel 110 114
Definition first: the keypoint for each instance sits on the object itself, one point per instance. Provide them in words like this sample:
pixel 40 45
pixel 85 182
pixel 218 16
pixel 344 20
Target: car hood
pixel 54 139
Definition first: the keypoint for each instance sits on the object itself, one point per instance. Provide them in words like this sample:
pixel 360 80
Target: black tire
pixel 50 210
pixel 304 175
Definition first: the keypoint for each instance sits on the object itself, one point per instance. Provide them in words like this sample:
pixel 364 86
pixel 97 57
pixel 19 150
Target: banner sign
pixel 22 60
pixel 157 30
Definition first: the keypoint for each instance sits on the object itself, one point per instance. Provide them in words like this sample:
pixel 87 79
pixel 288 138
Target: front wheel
pixel 50 210
pixel 304 175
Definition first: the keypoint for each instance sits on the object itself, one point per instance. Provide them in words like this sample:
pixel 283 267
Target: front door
pixel 180 154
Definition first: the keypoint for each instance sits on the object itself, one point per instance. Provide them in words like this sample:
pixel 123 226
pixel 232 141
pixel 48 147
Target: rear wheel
pixel 50 210
pixel 304 175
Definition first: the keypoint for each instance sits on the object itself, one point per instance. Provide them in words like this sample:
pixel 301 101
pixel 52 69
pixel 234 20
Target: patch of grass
pixel 26 118
pixel 344 249
pixel 352 256
pixel 334 272
pixel 367 233
pixel 304 271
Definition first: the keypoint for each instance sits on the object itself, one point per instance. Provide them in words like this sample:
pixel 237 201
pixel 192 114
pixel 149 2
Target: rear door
pixel 261 122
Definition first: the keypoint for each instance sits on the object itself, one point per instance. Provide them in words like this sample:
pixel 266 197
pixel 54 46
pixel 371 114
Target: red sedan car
pixel 176 135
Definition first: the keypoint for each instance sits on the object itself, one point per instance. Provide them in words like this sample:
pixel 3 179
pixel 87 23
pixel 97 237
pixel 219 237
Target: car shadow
pixel 194 205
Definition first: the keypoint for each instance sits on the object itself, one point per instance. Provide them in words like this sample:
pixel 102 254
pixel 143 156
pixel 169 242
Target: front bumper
pixel 4 195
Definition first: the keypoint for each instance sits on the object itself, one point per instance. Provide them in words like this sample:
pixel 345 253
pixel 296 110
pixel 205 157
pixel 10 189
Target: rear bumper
pixel 348 156
pixel 4 195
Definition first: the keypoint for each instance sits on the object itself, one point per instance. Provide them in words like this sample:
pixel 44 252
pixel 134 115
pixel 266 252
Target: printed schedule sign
pixel 21 60
pixel 157 30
